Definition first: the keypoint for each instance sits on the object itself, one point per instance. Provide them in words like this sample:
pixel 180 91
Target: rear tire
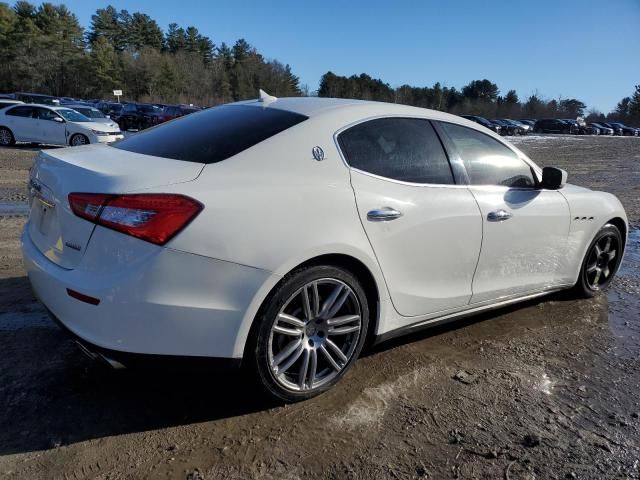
pixel 6 137
pixel 600 263
pixel 308 333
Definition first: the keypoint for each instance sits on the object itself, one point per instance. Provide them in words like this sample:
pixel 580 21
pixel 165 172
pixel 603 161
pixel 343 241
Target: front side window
pixel 405 149
pixel 20 111
pixel 487 161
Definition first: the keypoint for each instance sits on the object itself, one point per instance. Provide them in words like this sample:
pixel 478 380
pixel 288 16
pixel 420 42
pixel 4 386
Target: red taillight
pixel 154 217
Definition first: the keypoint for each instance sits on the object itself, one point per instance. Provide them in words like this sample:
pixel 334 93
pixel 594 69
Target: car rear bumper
pixel 152 300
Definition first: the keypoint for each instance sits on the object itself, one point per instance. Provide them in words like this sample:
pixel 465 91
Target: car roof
pixel 316 106
pixel 78 105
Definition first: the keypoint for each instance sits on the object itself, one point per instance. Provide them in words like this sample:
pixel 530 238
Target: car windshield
pixel 72 115
pixel 90 112
pixel 149 109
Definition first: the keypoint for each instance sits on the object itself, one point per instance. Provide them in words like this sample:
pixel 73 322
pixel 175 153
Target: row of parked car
pixel 507 126
pixel 127 115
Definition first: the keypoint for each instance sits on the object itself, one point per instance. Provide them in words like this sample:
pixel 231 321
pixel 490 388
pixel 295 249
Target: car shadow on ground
pixel 52 395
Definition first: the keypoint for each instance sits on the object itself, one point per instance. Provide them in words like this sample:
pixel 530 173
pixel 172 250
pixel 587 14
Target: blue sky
pixel 585 49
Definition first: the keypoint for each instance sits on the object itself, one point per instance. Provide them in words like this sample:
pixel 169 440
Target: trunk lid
pixel 55 230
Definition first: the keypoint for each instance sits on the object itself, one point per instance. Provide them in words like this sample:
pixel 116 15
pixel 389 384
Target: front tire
pixel 309 332
pixel 6 137
pixel 601 262
pixel 78 139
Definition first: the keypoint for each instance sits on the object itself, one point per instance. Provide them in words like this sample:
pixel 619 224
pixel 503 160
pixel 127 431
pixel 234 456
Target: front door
pixel 50 128
pixel 524 228
pixel 425 230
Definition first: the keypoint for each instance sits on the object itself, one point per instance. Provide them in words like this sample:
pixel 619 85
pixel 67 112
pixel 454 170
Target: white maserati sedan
pixel 52 125
pixel 286 234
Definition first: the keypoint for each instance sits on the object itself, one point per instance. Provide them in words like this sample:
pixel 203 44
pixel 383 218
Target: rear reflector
pixel 154 217
pixel 82 297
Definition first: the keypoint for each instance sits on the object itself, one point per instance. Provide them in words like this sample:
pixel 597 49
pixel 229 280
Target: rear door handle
pixel 499 216
pixel 383 214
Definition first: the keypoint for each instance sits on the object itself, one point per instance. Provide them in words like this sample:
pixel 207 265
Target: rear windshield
pixel 212 135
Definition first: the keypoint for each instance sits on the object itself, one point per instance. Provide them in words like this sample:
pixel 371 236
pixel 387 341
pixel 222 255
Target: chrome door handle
pixel 499 216
pixel 383 214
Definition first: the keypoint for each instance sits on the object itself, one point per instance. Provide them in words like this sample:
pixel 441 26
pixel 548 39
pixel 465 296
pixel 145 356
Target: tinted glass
pixel 72 115
pixel 90 112
pixel 20 111
pixel 129 108
pixel 487 161
pixel 212 135
pixel 399 148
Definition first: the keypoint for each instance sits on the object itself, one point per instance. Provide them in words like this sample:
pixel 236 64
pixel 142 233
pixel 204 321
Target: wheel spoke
pixel 330 359
pixel 607 245
pixel 343 330
pixel 596 280
pixel 597 250
pixel 316 299
pixel 285 352
pixel 612 255
pixel 337 305
pixel 313 365
pixel 291 360
pixel 306 304
pixel 291 320
pixel 330 301
pixel 337 321
pixel 287 331
pixel 592 268
pixel 304 367
pixel 343 358
pixel 606 272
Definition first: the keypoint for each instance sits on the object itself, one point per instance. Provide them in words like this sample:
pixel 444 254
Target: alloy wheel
pixel 79 140
pixel 5 137
pixel 602 261
pixel 314 335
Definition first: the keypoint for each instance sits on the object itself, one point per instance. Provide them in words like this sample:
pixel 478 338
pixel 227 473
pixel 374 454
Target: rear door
pixel 525 228
pixel 21 123
pixel 425 230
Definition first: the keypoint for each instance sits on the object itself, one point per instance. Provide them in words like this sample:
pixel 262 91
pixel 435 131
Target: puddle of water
pixel 14 208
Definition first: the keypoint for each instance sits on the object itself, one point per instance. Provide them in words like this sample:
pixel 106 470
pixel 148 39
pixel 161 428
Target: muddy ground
pixel 548 389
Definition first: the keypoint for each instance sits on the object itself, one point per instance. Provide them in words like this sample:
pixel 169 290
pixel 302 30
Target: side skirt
pixel 432 322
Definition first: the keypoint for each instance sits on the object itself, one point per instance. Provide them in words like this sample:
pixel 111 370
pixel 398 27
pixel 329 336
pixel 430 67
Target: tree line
pixel 44 49
pixel 478 97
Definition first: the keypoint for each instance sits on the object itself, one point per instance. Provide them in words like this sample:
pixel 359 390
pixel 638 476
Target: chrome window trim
pixel 536 169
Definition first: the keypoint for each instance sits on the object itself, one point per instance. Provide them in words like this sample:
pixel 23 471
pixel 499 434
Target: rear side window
pixel 405 149
pixel 212 135
pixel 20 111
pixel 487 161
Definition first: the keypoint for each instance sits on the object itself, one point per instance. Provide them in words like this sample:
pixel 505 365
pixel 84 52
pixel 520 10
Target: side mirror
pixel 58 119
pixel 553 178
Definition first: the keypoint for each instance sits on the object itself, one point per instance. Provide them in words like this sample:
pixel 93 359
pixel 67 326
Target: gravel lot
pixel 547 389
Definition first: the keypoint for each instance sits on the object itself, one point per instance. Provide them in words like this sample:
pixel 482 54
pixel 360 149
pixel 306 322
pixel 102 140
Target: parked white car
pixel 286 233
pixel 94 115
pixel 52 125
